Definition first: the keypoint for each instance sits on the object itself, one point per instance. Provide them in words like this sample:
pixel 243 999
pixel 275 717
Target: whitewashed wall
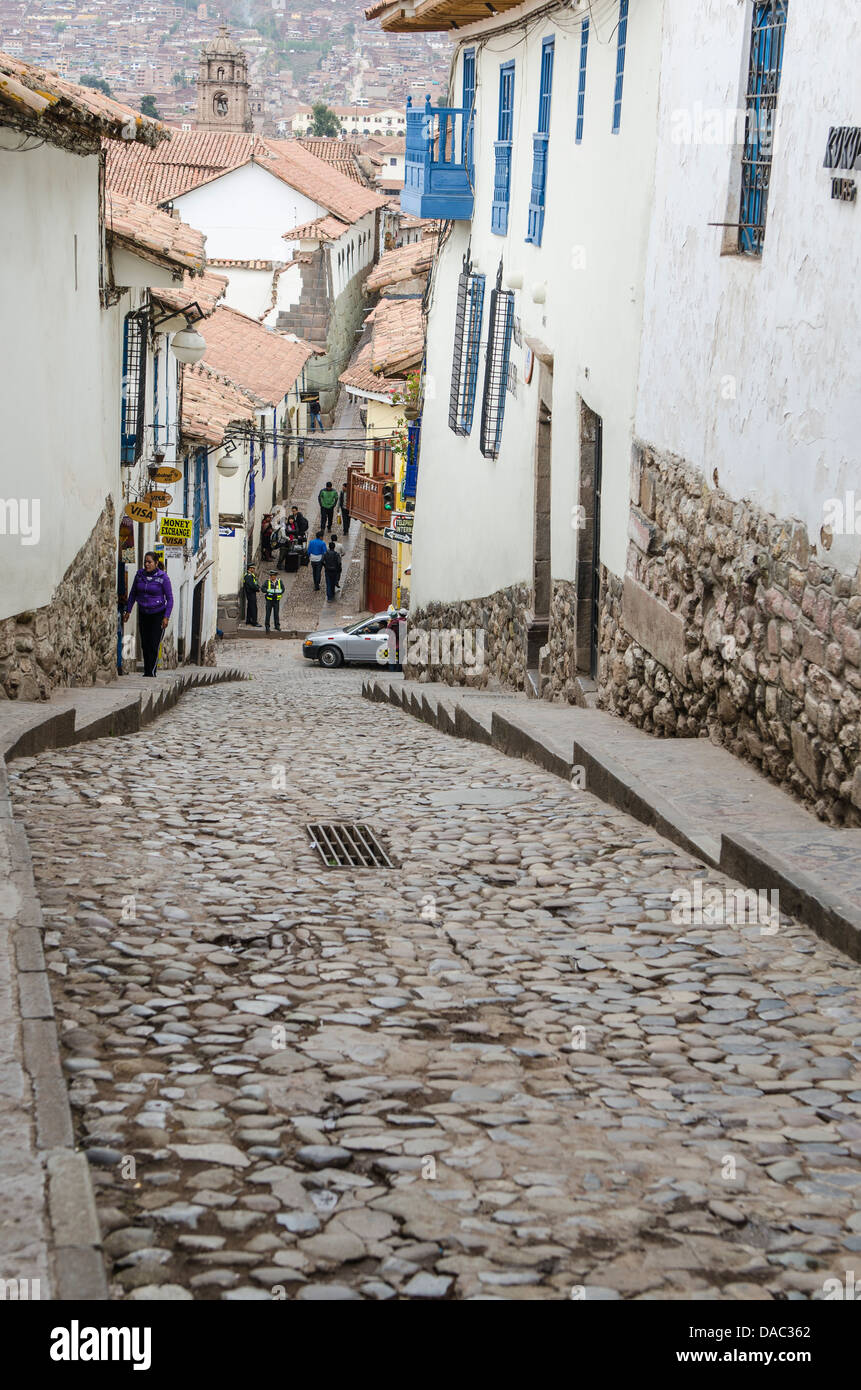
pixel 245 214
pixel 474 516
pixel 752 367
pixel 60 383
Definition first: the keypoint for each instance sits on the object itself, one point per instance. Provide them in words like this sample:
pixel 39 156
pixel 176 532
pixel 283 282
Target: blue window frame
pixel 155 358
pixel 763 84
pixel 540 140
pixel 186 485
pixel 500 332
pixel 467 345
pixel 469 100
pixel 251 473
pixel 411 472
pixel 201 497
pixel 581 80
pixel 502 151
pixel 621 44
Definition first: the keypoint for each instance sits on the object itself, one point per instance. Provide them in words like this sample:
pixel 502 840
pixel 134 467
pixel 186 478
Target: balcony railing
pixel 366 497
pixel 437 174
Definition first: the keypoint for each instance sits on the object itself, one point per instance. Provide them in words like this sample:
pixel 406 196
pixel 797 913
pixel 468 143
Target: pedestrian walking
pixel 273 593
pixel 344 504
pixel 252 588
pixel 266 537
pixel 281 542
pixel 154 597
pixel 314 420
pixel 327 497
pixel 337 544
pixel 332 567
pixel 393 632
pixel 316 551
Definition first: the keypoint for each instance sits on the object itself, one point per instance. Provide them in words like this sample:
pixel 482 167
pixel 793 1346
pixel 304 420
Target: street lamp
pixel 188 346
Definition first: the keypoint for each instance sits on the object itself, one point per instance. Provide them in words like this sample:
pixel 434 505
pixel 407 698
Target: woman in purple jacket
pixel 151 588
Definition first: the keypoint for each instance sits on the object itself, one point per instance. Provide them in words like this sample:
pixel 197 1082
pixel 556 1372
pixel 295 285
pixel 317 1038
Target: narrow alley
pixel 499 1070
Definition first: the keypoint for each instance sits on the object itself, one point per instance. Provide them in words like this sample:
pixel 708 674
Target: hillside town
pixel 430 660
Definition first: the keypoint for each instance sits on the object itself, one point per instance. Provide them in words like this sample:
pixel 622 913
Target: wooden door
pixel 378 577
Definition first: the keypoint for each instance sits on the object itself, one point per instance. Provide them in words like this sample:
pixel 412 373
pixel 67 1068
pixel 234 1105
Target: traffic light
pixel 388 497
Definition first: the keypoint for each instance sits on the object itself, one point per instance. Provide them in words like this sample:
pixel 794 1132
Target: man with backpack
pixel 332 568
pixel 327 497
pixel 273 594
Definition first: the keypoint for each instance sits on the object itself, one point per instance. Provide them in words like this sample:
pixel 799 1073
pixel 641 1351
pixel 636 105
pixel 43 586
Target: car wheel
pixel 331 657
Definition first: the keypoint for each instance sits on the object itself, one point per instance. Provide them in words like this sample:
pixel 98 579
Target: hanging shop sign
pixel 166 475
pixel 174 530
pixel 157 499
pixel 401 528
pixel 159 553
pixel 139 512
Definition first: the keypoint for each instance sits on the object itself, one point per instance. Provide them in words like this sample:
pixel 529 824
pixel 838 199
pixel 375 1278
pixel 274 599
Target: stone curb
pixel 78 1267
pixel 834 918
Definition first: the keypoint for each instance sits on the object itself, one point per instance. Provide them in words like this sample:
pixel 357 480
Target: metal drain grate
pixel 347 845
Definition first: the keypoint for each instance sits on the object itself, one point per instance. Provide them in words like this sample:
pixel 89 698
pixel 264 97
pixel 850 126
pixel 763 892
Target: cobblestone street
pixel 500 1070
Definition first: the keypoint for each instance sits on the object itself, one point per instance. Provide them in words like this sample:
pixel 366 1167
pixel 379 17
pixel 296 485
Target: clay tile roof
pixel 398 338
pixel 251 356
pixel 204 290
pixel 50 104
pixel 195 157
pixel 322 229
pixel 339 153
pixel 210 404
pixel 404 263
pixel 153 234
pixel 222 263
pixel 362 377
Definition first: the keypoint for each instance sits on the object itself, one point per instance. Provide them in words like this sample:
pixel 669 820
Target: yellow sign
pixel 167 475
pixel 175 529
pixel 139 511
pixel 157 499
pixel 159 554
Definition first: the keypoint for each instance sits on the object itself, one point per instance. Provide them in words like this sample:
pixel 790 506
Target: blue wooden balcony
pixel 438 177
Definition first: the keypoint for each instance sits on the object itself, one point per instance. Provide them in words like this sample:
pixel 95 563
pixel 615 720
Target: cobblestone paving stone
pixel 500 1071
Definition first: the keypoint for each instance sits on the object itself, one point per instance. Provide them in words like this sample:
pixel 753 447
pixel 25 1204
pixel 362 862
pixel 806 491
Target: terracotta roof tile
pixel 204 290
pixel 404 263
pixel 361 375
pixel 252 356
pixel 398 339
pixel 154 234
pixel 195 157
pixel 221 263
pixel 53 103
pixel 322 228
pixel 339 153
pixel 210 404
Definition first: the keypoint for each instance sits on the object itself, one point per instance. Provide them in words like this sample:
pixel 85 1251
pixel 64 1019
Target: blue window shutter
pixel 502 151
pixel 621 44
pixel 469 100
pixel 251 474
pixel 199 483
pixel 411 472
pixel 535 221
pixel 581 81
pixel 204 463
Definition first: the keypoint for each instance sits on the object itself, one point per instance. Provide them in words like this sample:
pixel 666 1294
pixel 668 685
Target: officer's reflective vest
pixel 274 590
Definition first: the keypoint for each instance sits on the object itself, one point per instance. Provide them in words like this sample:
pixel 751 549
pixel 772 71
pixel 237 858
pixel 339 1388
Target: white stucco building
pixel 637 454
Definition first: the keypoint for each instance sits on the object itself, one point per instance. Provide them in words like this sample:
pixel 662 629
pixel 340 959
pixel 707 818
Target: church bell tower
pixel 222 86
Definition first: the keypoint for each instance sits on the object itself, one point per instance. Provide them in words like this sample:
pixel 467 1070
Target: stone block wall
pixel 562 642
pixel 503 617
pixel 73 640
pixel 728 626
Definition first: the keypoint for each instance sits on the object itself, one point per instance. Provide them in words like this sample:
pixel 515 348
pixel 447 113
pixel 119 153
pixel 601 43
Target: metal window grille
pixel 535 219
pixel 467 344
pixel 766 60
pixel 502 151
pixel 134 387
pixel 621 43
pixel 201 498
pixel 581 81
pixel 500 330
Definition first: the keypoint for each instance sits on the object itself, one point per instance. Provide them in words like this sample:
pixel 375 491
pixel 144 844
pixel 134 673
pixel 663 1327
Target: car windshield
pixel 366 625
